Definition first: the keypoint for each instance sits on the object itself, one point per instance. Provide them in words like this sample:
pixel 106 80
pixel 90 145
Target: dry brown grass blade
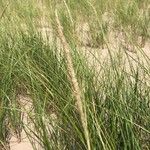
pixel 72 78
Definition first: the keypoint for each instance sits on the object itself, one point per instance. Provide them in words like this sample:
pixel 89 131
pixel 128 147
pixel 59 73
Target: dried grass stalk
pixel 4 10
pixel 72 78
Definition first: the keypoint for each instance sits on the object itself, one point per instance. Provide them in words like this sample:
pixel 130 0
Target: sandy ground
pixel 23 143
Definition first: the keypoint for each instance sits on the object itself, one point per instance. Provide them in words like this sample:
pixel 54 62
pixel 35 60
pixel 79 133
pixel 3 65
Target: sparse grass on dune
pixel 115 95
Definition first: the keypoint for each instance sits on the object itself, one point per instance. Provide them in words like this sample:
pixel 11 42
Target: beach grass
pixel 109 107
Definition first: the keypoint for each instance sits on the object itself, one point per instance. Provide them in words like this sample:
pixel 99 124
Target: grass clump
pixel 113 97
